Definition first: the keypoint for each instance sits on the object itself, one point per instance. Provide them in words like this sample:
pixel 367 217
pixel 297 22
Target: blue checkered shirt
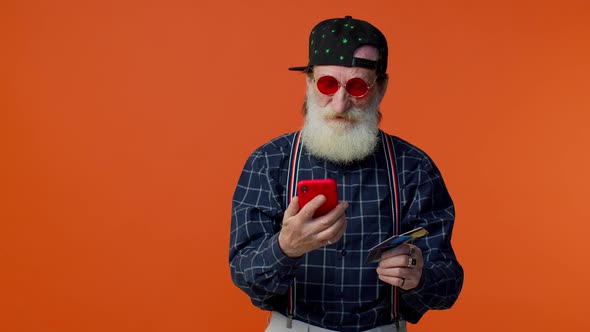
pixel 335 288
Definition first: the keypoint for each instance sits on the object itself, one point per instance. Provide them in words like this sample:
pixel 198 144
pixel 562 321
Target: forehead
pixel 343 73
pixel 367 52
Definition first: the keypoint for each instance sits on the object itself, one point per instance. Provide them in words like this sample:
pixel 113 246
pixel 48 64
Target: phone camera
pixel 304 189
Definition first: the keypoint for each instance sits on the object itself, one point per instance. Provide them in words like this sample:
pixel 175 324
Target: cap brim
pixel 298 68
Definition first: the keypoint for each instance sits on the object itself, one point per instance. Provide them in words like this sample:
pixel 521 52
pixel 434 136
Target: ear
pixel 381 89
pixel 383 86
pixel 309 79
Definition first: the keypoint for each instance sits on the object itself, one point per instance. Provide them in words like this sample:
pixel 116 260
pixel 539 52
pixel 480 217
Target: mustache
pixel 353 114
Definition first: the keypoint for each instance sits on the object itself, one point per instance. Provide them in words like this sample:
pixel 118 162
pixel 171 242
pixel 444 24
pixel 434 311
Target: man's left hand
pixel 401 266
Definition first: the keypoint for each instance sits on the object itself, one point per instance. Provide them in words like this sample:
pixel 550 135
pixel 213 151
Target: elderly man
pixel 313 273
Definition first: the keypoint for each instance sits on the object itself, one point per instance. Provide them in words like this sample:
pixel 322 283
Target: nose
pixel 341 101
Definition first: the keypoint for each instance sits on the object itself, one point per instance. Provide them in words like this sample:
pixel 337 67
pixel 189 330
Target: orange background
pixel 124 126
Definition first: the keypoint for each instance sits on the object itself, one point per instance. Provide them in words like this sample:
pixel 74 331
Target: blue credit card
pixel 395 242
pixel 392 242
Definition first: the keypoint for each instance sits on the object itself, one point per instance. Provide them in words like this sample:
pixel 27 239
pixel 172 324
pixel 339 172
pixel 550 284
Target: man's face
pixel 340 127
pixel 341 101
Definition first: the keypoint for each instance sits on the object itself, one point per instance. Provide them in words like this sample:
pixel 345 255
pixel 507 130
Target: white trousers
pixel 278 323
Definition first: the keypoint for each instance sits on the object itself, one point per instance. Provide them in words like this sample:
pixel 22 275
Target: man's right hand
pixel 301 233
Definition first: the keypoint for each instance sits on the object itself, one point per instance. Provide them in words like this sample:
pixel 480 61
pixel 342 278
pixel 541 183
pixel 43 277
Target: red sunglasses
pixel 356 86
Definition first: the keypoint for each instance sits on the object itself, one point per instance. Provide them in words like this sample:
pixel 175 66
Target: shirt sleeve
pixel 429 205
pixel 257 264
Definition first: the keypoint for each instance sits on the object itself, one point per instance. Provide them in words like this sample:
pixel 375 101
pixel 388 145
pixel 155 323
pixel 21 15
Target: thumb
pixel 293 208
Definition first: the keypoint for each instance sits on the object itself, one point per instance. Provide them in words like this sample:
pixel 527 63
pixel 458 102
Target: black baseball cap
pixel 333 42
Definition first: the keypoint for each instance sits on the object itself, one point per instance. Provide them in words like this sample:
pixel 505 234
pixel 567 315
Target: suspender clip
pixel 289 321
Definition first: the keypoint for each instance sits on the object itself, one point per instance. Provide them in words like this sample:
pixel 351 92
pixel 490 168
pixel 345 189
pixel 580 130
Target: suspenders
pixel 291 192
pixel 294 158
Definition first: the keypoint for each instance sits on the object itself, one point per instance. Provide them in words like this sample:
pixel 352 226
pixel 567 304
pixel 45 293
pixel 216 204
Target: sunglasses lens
pixel 357 87
pixel 328 85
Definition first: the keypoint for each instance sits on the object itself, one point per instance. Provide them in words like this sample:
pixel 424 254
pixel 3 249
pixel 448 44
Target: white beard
pixel 340 142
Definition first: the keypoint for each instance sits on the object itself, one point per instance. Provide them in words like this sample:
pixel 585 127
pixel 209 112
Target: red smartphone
pixel 308 189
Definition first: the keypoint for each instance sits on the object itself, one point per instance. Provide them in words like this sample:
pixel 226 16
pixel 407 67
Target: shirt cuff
pixel 285 263
pixel 413 295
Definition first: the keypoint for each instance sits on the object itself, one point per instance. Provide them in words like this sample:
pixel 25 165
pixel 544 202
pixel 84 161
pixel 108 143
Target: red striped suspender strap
pixel 291 191
pixel 389 151
pixel 387 142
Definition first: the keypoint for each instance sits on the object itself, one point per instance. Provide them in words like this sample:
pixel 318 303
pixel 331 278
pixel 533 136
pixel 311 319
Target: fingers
pixel 333 225
pixel 399 273
pixel 401 266
pixel 400 261
pixel 333 233
pixel 403 283
pixel 333 216
pixel 403 277
pixel 405 255
pixel 403 249
pixel 309 209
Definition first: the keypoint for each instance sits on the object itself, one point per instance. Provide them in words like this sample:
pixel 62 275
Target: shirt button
pixel 343 252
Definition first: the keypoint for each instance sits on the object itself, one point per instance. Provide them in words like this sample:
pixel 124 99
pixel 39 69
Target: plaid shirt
pixel 335 288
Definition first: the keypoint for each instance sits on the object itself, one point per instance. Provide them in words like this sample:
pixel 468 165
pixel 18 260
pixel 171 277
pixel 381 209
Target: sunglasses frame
pixel 340 85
